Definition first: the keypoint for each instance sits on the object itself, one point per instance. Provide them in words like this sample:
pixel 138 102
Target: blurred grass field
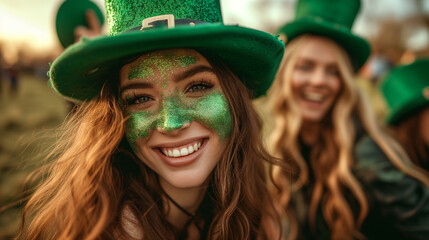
pixel 27 122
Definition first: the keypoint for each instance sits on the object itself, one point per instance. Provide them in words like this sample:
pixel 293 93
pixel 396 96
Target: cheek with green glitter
pixel 165 64
pixel 211 110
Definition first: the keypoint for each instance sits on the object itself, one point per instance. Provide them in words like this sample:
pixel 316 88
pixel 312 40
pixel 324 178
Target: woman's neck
pixel 310 132
pixel 188 198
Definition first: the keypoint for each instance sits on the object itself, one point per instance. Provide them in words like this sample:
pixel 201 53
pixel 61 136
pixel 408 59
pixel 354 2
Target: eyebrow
pixel 193 71
pixel 136 85
pixel 187 74
pixel 311 60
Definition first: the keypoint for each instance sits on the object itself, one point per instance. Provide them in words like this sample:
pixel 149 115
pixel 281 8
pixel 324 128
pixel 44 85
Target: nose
pixel 318 77
pixel 174 128
pixel 173 117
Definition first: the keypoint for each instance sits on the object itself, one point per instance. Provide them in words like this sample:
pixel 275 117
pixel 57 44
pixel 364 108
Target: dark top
pixel 398 203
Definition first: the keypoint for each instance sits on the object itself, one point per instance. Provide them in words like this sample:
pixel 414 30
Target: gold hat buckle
pixel 146 23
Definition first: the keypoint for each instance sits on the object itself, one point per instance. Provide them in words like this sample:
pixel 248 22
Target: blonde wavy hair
pixel 94 177
pixel 334 150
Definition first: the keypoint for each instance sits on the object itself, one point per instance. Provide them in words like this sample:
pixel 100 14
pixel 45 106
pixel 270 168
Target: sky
pixel 31 22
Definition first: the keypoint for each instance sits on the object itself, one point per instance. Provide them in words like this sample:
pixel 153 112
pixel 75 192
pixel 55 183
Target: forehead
pixel 163 62
pixel 177 57
pixel 319 49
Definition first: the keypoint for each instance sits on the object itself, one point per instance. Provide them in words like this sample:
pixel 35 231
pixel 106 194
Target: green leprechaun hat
pixel 406 90
pixel 333 19
pixel 140 26
pixel 70 15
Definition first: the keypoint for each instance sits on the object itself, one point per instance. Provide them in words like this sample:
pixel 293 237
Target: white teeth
pixel 180 152
pixel 184 151
pixel 190 149
pixel 176 153
pixel 314 97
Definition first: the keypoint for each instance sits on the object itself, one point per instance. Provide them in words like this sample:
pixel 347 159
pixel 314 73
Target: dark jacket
pixel 398 203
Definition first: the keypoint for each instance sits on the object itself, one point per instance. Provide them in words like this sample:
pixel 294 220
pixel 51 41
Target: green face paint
pixel 211 110
pixel 165 64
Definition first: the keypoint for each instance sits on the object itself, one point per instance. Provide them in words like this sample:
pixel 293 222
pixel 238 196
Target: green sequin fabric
pixel 175 110
pixel 123 15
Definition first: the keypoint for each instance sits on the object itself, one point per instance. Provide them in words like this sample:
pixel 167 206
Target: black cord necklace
pixel 192 216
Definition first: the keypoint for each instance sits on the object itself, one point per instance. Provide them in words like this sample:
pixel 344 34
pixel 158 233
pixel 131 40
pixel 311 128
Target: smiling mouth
pixel 314 97
pixel 182 151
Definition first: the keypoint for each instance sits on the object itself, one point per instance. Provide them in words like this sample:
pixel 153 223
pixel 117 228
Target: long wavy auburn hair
pixel 94 177
pixel 408 134
pixel 331 157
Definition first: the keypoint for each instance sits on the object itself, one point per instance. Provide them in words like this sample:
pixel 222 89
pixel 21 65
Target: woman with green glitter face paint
pixel 179 124
pixel 179 117
pixel 166 143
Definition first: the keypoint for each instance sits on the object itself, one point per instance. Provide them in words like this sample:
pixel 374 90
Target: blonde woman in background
pixel 354 181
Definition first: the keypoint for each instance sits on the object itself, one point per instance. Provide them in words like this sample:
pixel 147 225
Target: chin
pixel 312 117
pixel 186 180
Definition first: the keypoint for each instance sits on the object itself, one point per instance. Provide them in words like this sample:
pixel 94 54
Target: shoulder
pixel 376 172
pixel 395 197
pixel 369 157
pixel 365 147
pixel 385 184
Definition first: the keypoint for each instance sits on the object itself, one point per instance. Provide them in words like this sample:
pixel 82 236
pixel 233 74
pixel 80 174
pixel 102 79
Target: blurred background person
pixel 76 19
pixel 1 74
pixel 399 34
pixel 13 74
pixel 349 169
pixel 406 90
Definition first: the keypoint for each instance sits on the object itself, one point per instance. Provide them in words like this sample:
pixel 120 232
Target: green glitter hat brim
pixel 357 47
pixel 252 55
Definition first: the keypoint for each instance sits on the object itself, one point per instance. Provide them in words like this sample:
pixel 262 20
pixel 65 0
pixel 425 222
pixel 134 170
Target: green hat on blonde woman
pixel 406 90
pixel 141 26
pixel 330 18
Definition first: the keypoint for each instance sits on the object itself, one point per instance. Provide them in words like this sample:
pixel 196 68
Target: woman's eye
pixel 303 67
pixel 199 87
pixel 138 100
pixel 333 72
